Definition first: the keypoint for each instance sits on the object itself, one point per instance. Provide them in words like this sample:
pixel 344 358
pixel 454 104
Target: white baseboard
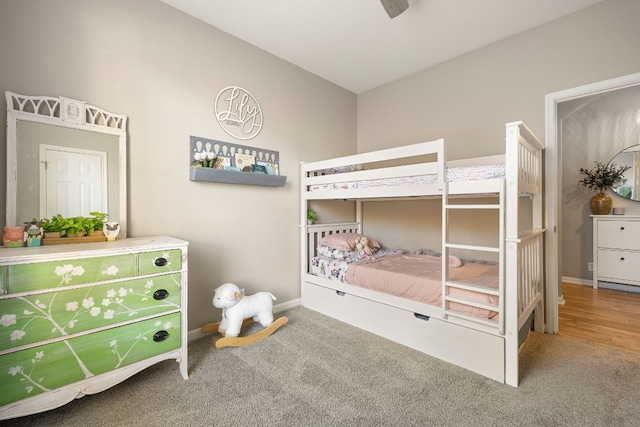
pixel 577 281
pixel 194 334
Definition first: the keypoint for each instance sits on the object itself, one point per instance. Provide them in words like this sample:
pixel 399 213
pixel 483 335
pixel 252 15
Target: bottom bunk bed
pixel 399 295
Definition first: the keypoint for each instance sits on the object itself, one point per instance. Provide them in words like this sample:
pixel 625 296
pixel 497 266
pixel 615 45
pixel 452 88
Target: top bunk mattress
pixel 453 174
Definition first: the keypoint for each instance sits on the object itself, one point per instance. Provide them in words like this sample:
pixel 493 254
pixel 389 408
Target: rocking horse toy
pixel 238 311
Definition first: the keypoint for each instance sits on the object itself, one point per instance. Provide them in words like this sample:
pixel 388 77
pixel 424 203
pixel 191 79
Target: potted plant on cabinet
pixel 599 178
pixel 79 227
pixel 52 227
pixel 93 224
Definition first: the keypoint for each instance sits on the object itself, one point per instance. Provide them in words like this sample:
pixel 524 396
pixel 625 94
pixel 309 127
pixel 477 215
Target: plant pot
pixel 52 234
pixel 600 204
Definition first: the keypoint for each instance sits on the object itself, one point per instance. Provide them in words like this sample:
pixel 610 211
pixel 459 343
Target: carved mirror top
pixel 47 109
pixel 72 114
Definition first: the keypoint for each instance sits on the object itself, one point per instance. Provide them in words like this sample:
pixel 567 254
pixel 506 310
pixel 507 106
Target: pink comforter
pixel 419 278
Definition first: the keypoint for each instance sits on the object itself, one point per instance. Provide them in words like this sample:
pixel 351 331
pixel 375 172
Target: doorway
pixel 554 185
pixel 73 181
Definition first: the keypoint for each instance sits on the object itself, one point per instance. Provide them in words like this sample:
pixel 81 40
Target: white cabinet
pixel 616 249
pixel 76 319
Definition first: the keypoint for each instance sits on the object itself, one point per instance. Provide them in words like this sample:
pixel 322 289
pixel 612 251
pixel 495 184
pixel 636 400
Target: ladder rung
pixel 487 322
pixel 473 206
pixel 490 307
pixel 472 287
pixel 472 248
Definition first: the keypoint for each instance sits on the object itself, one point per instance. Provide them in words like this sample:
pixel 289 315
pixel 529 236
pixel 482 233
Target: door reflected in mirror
pixel 65 171
pixel 629 188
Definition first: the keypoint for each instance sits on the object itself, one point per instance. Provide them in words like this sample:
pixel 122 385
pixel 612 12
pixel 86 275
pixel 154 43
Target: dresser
pixel 76 319
pixel 616 249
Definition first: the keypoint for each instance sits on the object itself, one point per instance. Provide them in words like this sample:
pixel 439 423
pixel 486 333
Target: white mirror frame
pixel 68 113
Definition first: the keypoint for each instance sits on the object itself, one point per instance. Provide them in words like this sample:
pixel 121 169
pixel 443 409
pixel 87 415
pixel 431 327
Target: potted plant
pixel 52 227
pixel 94 223
pixel 311 216
pixel 599 178
pixel 71 227
pixel 59 226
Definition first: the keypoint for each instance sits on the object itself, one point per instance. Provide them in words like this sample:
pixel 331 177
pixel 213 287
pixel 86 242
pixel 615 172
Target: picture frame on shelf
pixel 244 160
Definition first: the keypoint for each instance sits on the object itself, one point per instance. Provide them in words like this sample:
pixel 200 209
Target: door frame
pixel 553 187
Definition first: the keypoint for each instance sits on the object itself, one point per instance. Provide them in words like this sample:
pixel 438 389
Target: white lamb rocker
pixel 238 311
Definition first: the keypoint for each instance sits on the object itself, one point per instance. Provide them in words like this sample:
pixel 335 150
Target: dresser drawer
pixel 618 266
pixel 619 234
pixel 52 274
pixel 160 261
pixel 30 372
pixel 29 319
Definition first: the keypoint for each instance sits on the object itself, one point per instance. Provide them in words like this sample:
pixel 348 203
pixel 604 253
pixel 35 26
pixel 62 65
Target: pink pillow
pixel 454 261
pixel 345 241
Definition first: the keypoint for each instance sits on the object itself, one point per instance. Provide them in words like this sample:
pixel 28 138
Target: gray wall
pixel 163 69
pixel 468 100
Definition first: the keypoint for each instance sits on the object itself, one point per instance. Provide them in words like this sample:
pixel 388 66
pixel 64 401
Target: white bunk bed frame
pixel 486 347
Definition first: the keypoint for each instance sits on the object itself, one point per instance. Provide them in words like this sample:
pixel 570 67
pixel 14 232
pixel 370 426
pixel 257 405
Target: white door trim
pixel 553 186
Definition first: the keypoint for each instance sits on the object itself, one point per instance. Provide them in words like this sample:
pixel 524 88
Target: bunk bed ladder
pixel 448 285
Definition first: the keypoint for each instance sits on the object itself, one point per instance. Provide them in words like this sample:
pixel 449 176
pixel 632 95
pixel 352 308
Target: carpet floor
pixel 316 371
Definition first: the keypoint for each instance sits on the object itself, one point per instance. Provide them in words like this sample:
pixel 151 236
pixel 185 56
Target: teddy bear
pixel 364 250
pixel 237 307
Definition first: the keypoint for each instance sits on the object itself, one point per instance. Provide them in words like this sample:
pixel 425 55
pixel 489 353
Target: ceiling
pixel 354 43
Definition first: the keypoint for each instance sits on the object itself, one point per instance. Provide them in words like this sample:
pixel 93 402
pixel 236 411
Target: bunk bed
pixel 476 324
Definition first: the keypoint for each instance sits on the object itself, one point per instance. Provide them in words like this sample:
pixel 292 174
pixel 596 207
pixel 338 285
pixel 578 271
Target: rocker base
pixel 250 339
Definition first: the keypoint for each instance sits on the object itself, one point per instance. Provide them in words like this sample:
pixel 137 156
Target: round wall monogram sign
pixel 238 112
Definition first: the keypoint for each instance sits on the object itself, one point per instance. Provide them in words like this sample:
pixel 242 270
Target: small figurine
pixel 111 230
pixel 13 237
pixel 33 233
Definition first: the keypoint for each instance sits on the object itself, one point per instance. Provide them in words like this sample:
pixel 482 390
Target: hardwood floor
pixel 601 315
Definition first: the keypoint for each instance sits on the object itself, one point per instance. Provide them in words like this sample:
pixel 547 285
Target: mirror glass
pixel 64 157
pixel 629 187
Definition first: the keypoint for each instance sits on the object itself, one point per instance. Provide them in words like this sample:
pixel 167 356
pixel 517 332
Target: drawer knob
pixel 160 294
pixel 621 258
pixel 621 228
pixel 160 336
pixel 160 262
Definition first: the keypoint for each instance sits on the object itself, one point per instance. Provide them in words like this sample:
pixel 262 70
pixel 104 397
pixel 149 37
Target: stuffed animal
pixel 362 245
pixel 237 307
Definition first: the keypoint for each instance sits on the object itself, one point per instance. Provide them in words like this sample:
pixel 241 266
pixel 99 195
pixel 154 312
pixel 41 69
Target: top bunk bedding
pixel 453 174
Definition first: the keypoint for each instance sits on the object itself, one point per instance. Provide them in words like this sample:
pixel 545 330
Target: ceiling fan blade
pixel 394 7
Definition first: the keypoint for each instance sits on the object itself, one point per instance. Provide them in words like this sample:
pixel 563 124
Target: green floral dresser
pixel 77 319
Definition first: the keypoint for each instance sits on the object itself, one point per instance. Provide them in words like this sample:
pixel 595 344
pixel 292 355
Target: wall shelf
pixel 234 177
pixel 228 151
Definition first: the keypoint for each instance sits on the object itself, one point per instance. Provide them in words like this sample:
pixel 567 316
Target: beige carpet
pixel 316 371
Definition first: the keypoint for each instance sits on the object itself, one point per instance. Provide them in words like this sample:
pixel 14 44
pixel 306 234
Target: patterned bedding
pixel 466 173
pixel 415 277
